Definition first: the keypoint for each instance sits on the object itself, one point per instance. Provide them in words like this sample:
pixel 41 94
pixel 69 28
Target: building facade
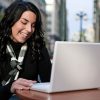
pixel 56 23
pixel 97 20
pixel 56 19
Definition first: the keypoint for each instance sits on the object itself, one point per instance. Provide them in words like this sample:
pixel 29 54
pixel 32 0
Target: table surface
pixel 93 94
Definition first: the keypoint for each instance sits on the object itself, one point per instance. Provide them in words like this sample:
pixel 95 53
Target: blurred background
pixel 66 20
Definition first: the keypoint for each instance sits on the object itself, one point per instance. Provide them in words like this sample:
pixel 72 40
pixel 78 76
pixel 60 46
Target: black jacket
pixel 31 68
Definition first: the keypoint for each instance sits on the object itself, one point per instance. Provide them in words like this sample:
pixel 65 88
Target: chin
pixel 21 41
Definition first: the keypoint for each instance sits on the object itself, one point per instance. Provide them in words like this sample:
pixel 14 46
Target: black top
pixel 31 68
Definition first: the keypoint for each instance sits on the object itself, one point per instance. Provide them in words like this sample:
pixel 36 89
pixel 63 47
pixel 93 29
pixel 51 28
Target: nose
pixel 29 28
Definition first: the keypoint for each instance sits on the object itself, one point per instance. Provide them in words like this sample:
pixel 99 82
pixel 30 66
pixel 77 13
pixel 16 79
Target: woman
pixel 24 58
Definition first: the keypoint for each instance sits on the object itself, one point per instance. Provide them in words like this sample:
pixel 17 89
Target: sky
pixel 74 7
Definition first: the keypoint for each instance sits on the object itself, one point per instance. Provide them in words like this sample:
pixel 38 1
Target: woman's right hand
pixel 21 84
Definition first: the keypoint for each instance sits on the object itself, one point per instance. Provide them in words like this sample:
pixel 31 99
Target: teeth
pixel 24 34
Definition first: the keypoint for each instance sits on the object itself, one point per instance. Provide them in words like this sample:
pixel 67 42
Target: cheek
pixel 15 29
pixel 33 30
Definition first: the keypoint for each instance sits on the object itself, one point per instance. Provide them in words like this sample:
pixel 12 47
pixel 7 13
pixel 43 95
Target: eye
pixel 24 22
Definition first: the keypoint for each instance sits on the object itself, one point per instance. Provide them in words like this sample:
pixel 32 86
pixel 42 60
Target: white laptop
pixel 76 66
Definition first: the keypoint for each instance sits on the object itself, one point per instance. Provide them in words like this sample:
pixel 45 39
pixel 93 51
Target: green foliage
pixel 1 15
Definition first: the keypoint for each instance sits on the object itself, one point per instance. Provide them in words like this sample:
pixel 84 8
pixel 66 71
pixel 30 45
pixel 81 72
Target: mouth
pixel 24 35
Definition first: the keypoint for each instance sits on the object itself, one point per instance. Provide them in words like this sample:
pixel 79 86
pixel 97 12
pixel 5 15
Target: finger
pixel 14 87
pixel 25 82
pixel 18 87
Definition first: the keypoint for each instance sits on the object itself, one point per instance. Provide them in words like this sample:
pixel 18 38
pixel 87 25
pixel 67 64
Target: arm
pixel 4 90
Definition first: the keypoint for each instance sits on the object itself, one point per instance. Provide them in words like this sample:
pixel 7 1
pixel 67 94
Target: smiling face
pixel 24 27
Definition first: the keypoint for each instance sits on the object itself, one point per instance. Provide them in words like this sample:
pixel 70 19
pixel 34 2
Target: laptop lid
pixel 76 66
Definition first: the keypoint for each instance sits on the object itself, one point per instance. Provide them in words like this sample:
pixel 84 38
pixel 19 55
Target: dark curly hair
pixel 11 15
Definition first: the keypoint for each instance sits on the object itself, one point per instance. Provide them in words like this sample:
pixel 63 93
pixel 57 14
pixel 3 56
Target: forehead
pixel 28 15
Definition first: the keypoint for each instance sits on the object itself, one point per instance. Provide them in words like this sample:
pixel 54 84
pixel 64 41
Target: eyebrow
pixel 25 19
